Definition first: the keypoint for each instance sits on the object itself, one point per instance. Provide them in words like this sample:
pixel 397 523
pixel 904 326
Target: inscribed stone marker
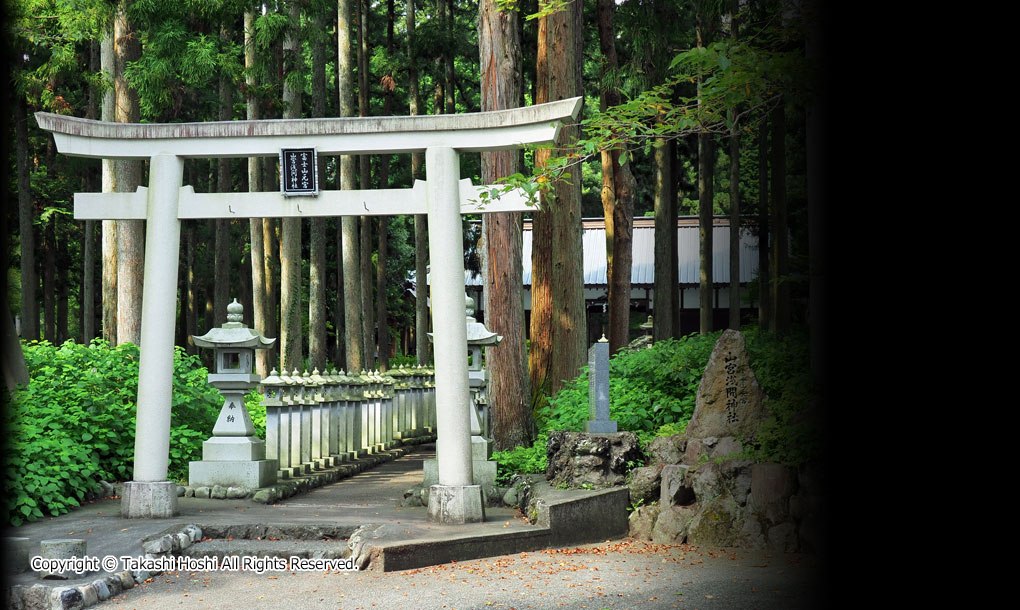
pixel 598 389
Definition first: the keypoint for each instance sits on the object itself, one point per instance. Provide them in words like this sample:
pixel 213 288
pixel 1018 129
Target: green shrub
pixel 253 401
pixel 648 388
pixel 74 424
pixel 653 392
pixel 523 460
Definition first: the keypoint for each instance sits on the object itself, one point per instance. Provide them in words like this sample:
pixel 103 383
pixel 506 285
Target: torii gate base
pixel 455 499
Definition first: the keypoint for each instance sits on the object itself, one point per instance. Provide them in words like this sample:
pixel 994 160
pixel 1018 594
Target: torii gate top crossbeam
pixel 480 131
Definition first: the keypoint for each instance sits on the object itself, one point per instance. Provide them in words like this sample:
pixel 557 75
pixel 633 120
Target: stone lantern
pixel 233 457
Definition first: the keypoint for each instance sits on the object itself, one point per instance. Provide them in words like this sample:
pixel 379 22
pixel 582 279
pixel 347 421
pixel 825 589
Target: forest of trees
pixel 685 102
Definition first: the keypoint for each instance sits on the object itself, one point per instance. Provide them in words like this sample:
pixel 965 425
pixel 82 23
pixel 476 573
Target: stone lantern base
pixel 232 461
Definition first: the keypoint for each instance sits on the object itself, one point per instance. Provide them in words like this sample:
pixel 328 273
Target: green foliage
pixel 653 392
pixel 523 460
pixel 257 411
pixel 74 424
pixel 648 388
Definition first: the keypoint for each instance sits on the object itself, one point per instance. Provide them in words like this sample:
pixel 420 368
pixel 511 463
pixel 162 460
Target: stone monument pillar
pixel 598 389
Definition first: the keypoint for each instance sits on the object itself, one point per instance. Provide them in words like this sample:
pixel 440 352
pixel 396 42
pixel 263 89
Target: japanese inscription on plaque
pixel 299 172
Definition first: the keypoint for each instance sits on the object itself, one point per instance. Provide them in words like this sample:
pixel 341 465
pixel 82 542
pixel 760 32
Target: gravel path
pixel 619 574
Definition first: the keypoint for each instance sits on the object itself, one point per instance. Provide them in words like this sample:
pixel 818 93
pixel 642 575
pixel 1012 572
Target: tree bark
pixel 421 310
pixel 222 263
pixel 667 280
pixel 353 329
pixel 48 281
pixel 365 168
pixel 130 233
pixel 734 320
pixel 569 317
pixel 109 227
pixel 764 283
pixel 540 354
pixel 617 199
pixel 706 195
pixel 780 247
pixel 26 226
pixel 255 229
pixel 317 339
pixel 290 242
pixel 509 397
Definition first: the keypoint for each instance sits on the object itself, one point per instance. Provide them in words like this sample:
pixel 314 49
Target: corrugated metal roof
pixel 643 267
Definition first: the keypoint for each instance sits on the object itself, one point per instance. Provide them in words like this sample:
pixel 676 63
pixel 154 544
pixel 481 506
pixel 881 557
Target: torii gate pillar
pixel 455 499
pixel 149 494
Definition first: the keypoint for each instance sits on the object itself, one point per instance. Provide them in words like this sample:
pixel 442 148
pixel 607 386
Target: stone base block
pixel 481 449
pixel 148 500
pixel 483 472
pixel 285 473
pixel 16 552
pixel 600 427
pixel 253 474
pixel 233 449
pixel 456 504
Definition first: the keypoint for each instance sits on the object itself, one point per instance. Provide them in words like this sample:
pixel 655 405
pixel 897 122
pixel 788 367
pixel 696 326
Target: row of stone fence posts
pixel 315 421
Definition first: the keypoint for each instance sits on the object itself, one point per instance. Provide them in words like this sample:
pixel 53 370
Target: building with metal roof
pixel 643 272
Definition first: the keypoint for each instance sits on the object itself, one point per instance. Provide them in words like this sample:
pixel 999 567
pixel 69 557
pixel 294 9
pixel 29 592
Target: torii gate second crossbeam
pixel 165 202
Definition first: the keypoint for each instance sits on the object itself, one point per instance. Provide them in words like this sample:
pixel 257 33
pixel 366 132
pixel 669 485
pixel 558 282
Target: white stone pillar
pixel 454 499
pixel 149 494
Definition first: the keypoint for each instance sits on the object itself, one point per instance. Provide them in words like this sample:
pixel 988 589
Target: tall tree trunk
pixel 130 233
pixel 706 195
pixel 734 320
pixel 290 242
pixel 382 312
pixel 540 354
pixel 353 329
pixel 255 229
pixel 780 248
pixel 26 225
pixel 617 199
pixel 224 184
pixel 365 167
pixel 764 283
pixel 448 59
pixel 564 32
pixel 667 278
pixel 49 279
pixel 317 237
pixel 421 310
pixel 509 397
pixel 109 227
pixel 63 287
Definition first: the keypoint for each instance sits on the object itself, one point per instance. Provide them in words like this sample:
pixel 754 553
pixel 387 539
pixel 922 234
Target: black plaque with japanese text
pixel 298 172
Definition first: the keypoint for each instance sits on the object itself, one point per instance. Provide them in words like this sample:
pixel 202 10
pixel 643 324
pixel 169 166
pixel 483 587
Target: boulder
pixel 642 520
pixel 645 483
pixel 666 449
pixel 772 486
pixel 578 459
pixel 783 537
pixel 672 526
pixel 718 523
pixel 729 400
pixel 676 487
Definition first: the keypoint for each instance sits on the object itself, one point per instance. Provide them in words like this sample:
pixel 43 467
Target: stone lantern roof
pixel 234 333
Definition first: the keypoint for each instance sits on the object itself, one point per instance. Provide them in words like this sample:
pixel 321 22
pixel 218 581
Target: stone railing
pixel 315 421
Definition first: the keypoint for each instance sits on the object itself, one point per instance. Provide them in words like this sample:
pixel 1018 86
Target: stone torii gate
pixel 166 202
